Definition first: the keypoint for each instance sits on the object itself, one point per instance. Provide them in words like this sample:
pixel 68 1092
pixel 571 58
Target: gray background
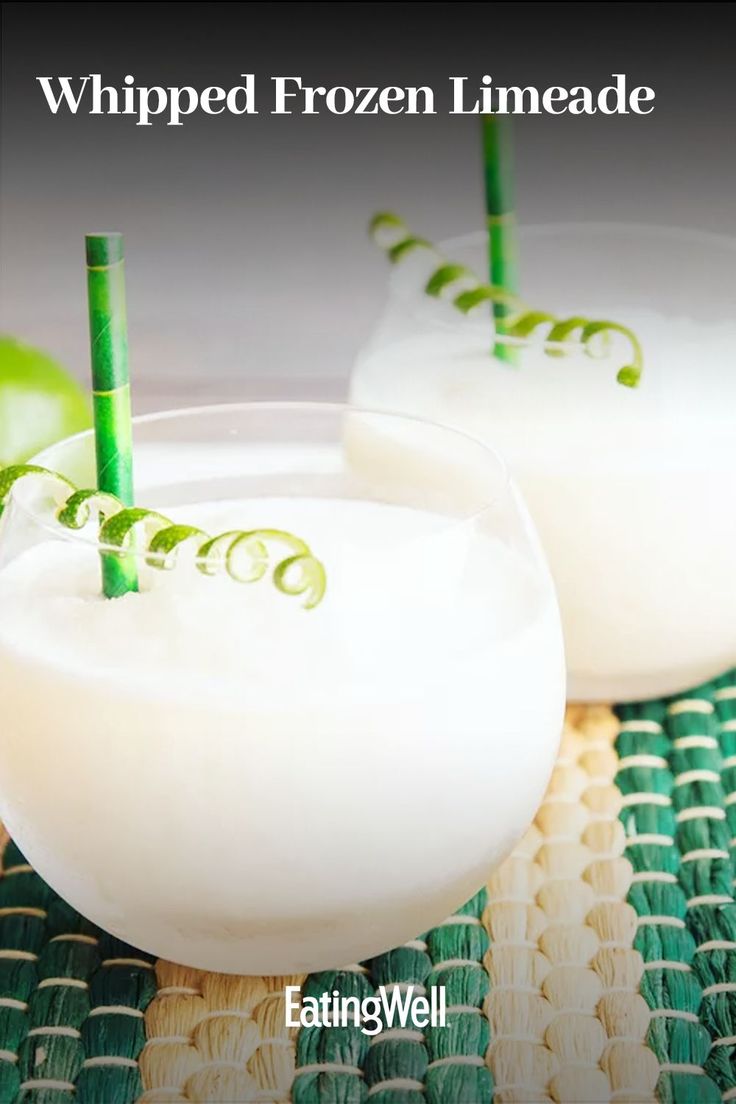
pixel 247 255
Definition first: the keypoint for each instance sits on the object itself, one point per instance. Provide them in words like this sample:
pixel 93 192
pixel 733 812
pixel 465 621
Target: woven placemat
pixel 598 964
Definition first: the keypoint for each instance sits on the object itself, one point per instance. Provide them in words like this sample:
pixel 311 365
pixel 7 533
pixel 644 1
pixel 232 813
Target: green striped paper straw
pixel 111 391
pixel 500 218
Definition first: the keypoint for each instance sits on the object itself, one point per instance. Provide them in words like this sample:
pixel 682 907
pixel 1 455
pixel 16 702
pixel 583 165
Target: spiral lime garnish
pixel 79 507
pixel 55 483
pixel 466 291
pixel 243 554
pixel 301 575
pixel 165 544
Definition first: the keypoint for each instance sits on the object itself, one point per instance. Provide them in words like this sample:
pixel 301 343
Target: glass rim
pixel 49 524
pixel 602 226
pixel 421 305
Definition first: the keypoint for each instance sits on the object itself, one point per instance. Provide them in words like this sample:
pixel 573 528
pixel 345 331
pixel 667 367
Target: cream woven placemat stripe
pixel 567 1022
pixel 217 1038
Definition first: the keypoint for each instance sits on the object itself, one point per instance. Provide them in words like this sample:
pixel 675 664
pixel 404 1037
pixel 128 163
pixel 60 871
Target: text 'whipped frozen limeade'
pixel 630 488
pixel 220 776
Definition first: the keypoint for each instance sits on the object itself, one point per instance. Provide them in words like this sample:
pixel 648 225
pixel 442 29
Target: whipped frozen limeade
pixel 227 779
pixel 631 489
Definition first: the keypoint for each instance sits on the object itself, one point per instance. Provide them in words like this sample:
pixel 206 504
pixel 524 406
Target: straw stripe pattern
pixel 108 332
pixel 500 219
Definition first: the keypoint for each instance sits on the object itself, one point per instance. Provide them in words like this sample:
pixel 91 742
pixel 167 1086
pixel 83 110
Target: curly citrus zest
pixel 78 508
pixel 244 555
pixel 466 292
pixel 57 484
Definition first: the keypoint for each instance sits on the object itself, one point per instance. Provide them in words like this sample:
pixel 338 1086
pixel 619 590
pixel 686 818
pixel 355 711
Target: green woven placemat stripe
pixel 724 698
pixel 675 816
pixel 669 985
pixel 702 838
pixel 396 1061
pixel 71 999
pixel 113 1034
pixel 456 1054
pixel 703 716
pixel 330 1059
pixel 402 1065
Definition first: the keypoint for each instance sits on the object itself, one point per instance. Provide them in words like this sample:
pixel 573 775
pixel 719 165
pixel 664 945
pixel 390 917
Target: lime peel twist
pixel 466 292
pixel 241 554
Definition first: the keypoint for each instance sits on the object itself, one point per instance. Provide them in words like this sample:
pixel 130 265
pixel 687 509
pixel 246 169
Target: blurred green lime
pixel 39 402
